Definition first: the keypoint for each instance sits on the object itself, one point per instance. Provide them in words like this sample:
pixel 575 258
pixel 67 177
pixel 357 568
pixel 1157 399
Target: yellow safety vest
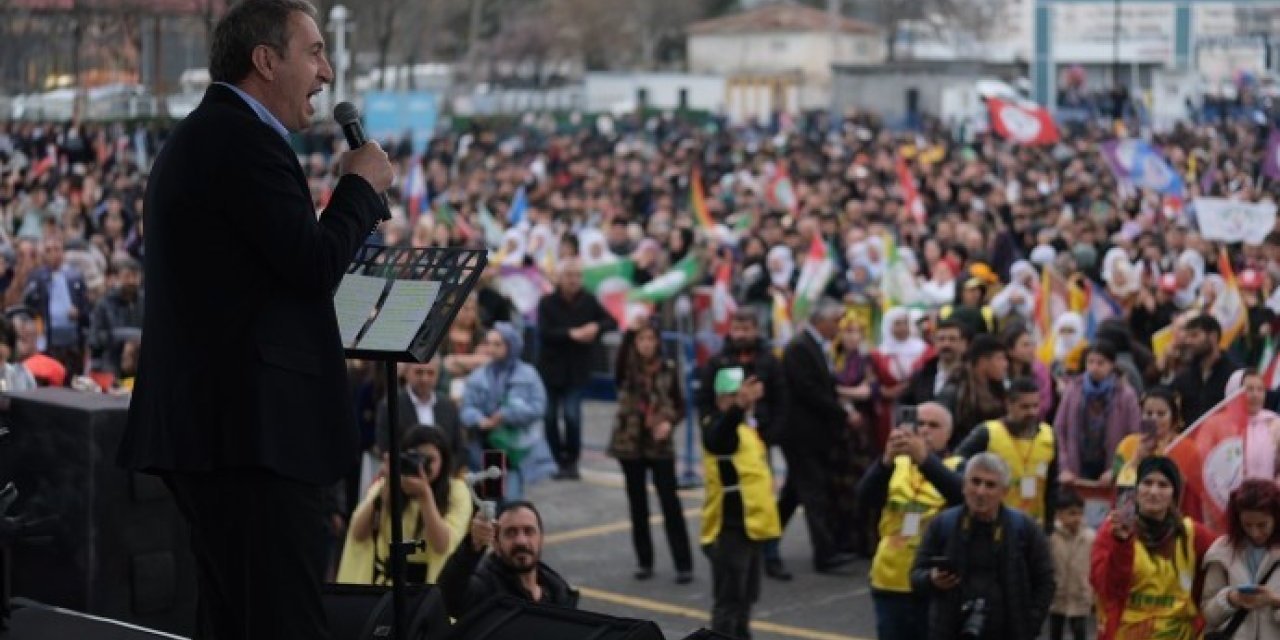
pixel 909 494
pixel 1026 459
pixel 755 484
pixel 1160 603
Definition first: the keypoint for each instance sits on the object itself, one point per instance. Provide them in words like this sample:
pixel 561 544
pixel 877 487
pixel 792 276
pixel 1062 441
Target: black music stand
pixel 395 305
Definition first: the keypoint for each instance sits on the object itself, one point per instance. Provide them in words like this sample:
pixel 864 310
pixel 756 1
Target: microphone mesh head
pixel 345 113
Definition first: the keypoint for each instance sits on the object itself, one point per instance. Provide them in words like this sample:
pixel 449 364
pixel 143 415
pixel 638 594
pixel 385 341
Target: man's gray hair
pixel 991 463
pixel 948 421
pixel 245 26
pixel 828 309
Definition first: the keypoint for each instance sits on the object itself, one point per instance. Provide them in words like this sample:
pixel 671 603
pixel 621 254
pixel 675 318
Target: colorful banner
pixel 1210 455
pixel 1234 221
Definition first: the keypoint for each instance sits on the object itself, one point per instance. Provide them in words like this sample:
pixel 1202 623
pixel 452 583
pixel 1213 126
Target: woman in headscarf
pixel 1189 273
pixel 512 253
pixel 503 406
pixel 1068 338
pixel 1146 561
pixel 780 276
pixel 901 348
pixel 1122 278
pixel 594 248
pixel 854 449
pixel 1018 299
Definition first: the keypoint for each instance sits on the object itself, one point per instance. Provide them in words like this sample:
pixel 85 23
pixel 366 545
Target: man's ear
pixel 264 59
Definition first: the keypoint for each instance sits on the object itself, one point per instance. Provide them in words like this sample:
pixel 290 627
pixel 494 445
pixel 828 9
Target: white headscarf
pixel 781 272
pixel 1116 263
pixel 594 248
pixel 1188 294
pixel 1022 278
pixel 901 354
pixel 513 248
pixel 1062 346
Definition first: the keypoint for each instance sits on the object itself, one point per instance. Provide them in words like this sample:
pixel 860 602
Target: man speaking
pixel 241 401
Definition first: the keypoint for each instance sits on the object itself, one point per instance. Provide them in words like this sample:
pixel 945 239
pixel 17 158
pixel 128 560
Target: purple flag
pixel 1271 164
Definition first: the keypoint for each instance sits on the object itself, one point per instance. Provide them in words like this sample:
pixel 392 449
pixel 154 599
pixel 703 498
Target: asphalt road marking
pixel 657 606
pixel 606 529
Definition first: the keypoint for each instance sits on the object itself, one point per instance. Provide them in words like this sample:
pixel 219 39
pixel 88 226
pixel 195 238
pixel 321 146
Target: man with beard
pixel 1027 446
pixel 976 392
pixel 950 340
pixel 1203 383
pixel 746 349
pixel 117 318
pixel 513 567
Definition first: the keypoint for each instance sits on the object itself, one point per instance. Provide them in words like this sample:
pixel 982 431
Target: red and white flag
pixel 910 196
pixel 1022 123
pixel 723 305
pixel 1210 455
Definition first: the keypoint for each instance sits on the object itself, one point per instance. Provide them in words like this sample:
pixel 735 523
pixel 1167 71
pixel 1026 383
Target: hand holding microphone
pixel 365 159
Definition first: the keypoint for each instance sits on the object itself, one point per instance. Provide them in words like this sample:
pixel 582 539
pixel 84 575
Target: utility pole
pixel 338 24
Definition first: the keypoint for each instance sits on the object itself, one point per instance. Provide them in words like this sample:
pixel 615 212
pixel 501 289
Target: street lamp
pixel 339 25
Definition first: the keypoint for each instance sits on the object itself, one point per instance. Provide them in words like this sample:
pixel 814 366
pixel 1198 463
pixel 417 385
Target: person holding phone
pixel 1240 585
pixel 1145 564
pixel 909 485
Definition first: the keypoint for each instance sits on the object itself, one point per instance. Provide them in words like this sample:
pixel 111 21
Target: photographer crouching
pixel 985 567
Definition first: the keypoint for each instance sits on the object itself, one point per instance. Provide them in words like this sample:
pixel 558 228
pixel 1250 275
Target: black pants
pixel 664 481
pixel 735 581
pixel 1079 626
pixel 259 542
pixel 807 474
pixel 567 401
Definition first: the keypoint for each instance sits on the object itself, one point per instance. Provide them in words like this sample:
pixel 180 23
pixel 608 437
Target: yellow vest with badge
pixel 1028 461
pixel 909 506
pixel 755 483
pixel 1160 603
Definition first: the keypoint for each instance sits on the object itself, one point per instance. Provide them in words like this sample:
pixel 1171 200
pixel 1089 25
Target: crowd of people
pixel 945 340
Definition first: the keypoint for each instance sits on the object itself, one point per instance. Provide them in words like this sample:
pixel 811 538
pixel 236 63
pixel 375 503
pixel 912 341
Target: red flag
pixel 723 305
pixel 1210 455
pixel 910 197
pixel 1024 123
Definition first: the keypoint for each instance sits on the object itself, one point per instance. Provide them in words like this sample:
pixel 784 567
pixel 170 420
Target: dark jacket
pixel 113 319
pixel 242 365
pixel 564 362
pixel 447 420
pixel 37 296
pixel 920 385
pixel 471 577
pixel 1025 573
pixel 1199 392
pixel 770 411
pixel 814 413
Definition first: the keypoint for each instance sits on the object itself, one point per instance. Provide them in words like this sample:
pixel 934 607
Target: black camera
pixel 974 614
pixel 412 463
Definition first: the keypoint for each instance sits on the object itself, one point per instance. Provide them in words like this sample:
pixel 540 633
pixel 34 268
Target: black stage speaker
pixel 362 612
pixel 34 621
pixel 509 618
pixel 119 546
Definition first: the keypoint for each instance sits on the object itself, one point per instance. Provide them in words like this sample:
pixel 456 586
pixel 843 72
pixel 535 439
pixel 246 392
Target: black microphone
pixel 348 117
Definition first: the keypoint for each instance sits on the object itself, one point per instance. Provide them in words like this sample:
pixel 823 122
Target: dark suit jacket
pixel 564 362
pixel 814 413
pixel 241 363
pixel 447 420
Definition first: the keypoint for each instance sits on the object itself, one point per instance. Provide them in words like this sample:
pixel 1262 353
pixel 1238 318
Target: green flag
pixel 667 285
pixel 593 277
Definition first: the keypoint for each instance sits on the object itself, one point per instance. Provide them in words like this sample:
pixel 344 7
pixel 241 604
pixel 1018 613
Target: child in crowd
pixel 1070 544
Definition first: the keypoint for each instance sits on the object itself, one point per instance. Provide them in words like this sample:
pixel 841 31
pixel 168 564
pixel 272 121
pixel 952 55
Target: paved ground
pixel 589 541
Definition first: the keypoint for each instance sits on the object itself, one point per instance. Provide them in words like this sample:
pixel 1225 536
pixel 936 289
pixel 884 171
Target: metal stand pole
pixel 399 550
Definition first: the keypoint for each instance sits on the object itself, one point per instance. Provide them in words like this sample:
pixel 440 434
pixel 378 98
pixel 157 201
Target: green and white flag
pixel 667 285
pixel 814 276
pixel 596 277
